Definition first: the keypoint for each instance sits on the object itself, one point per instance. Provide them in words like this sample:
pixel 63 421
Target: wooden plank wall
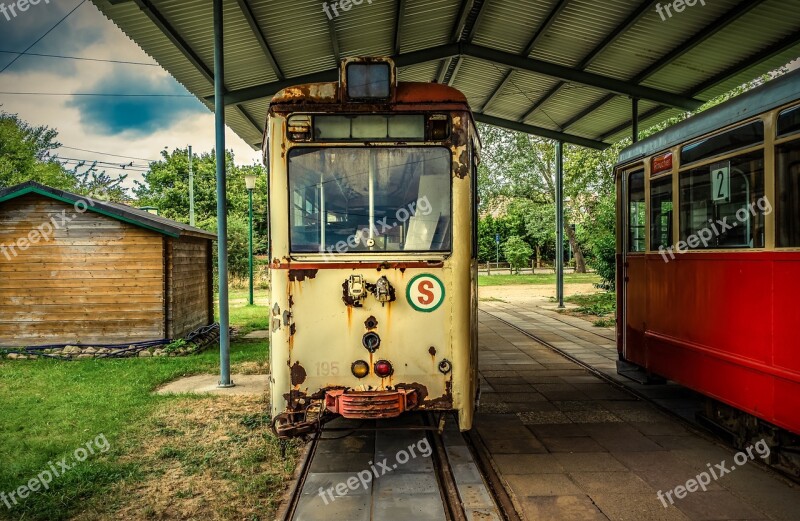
pixel 97 280
pixel 190 286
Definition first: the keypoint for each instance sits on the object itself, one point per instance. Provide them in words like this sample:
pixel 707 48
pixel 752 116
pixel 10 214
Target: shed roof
pixel 120 212
pixel 563 69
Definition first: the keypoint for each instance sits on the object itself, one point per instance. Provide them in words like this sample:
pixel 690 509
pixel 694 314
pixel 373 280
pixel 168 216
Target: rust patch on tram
pixel 298 374
pixel 301 275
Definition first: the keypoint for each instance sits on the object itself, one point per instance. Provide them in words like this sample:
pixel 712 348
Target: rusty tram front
pixel 373 246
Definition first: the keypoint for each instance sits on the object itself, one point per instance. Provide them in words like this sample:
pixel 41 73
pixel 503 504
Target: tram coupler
pixel 287 425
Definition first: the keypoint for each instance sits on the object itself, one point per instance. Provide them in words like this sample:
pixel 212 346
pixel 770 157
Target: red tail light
pixel 383 368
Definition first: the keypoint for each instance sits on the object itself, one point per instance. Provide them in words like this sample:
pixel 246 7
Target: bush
pixel 517 252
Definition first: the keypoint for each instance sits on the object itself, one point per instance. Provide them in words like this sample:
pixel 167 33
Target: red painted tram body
pixel 708 259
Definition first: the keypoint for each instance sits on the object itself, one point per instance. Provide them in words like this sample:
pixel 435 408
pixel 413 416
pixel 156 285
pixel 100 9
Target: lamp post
pixel 250 182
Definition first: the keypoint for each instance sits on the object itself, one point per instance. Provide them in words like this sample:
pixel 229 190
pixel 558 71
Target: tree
pixel 26 154
pixel 518 252
pixel 166 186
pixel 521 167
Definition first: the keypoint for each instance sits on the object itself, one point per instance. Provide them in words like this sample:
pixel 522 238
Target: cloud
pixel 134 116
pixel 80 30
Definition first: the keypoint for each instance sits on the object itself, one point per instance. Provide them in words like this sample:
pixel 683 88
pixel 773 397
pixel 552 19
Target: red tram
pixel 708 261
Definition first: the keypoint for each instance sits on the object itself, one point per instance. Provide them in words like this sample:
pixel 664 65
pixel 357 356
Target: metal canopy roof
pixel 562 69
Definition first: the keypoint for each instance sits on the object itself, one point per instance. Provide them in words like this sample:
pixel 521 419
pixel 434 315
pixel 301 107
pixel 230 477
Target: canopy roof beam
pixel 248 14
pixel 494 56
pixel 540 131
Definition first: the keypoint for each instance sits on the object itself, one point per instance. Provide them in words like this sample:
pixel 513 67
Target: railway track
pixel 451 478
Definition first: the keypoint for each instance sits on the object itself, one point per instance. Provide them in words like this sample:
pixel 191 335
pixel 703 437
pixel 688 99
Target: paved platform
pixel 570 446
pixel 245 384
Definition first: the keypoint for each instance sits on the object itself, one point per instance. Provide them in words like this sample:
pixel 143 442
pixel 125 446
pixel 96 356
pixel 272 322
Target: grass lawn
pixel 201 449
pixel 538 279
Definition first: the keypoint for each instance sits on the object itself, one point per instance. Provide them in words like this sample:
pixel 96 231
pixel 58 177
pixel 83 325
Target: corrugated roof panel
pixel 509 26
pixel 367 29
pixel 423 72
pixel 651 38
pixel 476 77
pixel 570 100
pixel 745 37
pixel 427 23
pixel 520 94
pixel 565 45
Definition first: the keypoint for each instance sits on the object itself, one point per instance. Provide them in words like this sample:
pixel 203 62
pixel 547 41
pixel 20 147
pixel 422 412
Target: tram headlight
pixel 360 368
pixel 383 368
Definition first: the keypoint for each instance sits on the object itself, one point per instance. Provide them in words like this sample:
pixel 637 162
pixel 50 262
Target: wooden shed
pixel 76 270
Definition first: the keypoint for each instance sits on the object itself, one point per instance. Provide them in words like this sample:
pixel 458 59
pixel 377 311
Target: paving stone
pixel 527 463
pixel 611 482
pixel 639 507
pixel 421 507
pixel 354 443
pixel 482 514
pixel 572 444
pixel 590 462
pixel 534 418
pixel 557 430
pixel 717 505
pixel 572 508
pixel 341 462
pixel 327 481
pixel 352 508
pixel 527 445
pixel 525 485
pixel 404 484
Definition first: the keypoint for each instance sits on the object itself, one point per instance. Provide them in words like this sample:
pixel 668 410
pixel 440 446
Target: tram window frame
pixel 640 211
pixel 788 122
pixel 401 228
pixel 744 136
pixel 708 222
pixel 787 194
pixel 659 219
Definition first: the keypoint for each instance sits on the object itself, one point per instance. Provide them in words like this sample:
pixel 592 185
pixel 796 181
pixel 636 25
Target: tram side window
pixel 787 207
pixel 661 213
pixel 636 212
pixel 722 205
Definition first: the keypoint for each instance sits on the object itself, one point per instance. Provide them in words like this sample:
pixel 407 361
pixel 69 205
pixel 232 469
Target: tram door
pixel 633 213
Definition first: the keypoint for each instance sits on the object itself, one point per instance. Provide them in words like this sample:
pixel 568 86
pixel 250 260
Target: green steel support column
pixel 560 223
pixel 250 201
pixel 222 205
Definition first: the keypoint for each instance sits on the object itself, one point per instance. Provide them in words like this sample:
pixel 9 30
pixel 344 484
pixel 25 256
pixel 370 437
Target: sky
pixel 137 127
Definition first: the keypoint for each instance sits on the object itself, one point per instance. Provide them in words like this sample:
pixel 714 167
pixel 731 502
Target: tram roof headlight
pixel 368 81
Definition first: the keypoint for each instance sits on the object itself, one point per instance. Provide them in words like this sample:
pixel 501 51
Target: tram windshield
pixel 351 200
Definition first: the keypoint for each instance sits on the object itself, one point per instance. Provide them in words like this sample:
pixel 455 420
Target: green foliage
pixel 518 252
pixel 238 242
pixel 599 235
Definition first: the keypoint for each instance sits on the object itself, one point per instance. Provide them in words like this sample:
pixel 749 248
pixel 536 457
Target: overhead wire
pixel 79 58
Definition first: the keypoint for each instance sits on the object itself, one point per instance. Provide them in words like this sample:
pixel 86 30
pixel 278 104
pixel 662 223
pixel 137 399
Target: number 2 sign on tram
pixel 425 293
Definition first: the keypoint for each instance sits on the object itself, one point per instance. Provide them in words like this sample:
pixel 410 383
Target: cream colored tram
pixel 373 239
